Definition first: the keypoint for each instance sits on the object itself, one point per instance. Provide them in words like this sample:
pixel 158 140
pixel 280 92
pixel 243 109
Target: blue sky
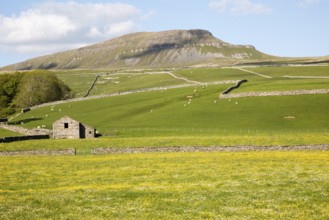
pixel 30 28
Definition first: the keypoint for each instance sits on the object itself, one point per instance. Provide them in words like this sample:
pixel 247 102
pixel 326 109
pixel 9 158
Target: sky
pixel 289 28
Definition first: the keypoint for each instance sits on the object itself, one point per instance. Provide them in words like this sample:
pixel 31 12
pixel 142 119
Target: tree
pixel 9 87
pixel 41 86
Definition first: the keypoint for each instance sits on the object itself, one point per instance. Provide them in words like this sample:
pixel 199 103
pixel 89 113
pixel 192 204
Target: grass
pixel 248 185
pixel 278 72
pixel 286 120
pixel 214 74
pixel 240 185
pixel 133 80
pixel 162 111
pixel 130 82
pixel 257 83
pixel 279 83
pixel 284 84
pixel 6 133
pixel 78 81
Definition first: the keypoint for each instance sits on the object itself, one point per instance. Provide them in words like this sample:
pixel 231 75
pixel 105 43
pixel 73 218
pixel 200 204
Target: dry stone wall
pixel 227 91
pixel 69 151
pixel 324 147
pixel 274 93
pixel 23 138
pixel 24 131
pixel 92 86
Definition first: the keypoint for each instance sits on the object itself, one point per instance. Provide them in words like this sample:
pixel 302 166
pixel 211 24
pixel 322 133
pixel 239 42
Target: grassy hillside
pixel 196 109
pixel 169 110
pixel 130 80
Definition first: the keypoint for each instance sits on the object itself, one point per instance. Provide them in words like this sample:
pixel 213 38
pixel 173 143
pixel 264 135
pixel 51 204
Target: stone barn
pixel 68 128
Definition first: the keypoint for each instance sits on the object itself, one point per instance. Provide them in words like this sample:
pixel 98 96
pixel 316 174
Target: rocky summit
pixel 148 50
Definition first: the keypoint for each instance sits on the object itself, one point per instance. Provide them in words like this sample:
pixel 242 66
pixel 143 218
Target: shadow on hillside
pixel 24 121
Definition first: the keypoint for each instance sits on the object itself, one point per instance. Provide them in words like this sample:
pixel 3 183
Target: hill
pixel 148 49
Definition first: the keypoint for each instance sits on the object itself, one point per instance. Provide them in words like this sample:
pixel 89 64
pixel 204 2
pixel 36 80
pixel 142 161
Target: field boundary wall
pixel 69 151
pixel 111 150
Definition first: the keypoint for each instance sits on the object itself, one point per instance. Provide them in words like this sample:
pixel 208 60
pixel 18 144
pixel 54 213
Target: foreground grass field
pixel 248 185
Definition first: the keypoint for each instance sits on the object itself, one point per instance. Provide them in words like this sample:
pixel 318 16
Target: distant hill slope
pixel 147 49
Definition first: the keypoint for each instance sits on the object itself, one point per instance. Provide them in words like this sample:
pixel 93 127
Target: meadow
pixel 245 185
pixel 217 185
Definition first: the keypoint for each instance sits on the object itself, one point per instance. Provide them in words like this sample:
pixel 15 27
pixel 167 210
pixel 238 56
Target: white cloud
pixel 304 3
pixel 238 7
pixel 55 26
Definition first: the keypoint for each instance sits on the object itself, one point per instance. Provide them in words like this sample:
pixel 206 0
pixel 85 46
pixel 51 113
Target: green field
pixel 236 185
pixel 6 133
pixel 134 80
pixel 249 185
pixel 169 110
pixel 195 110
pixel 78 81
pixel 114 82
pixel 256 83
